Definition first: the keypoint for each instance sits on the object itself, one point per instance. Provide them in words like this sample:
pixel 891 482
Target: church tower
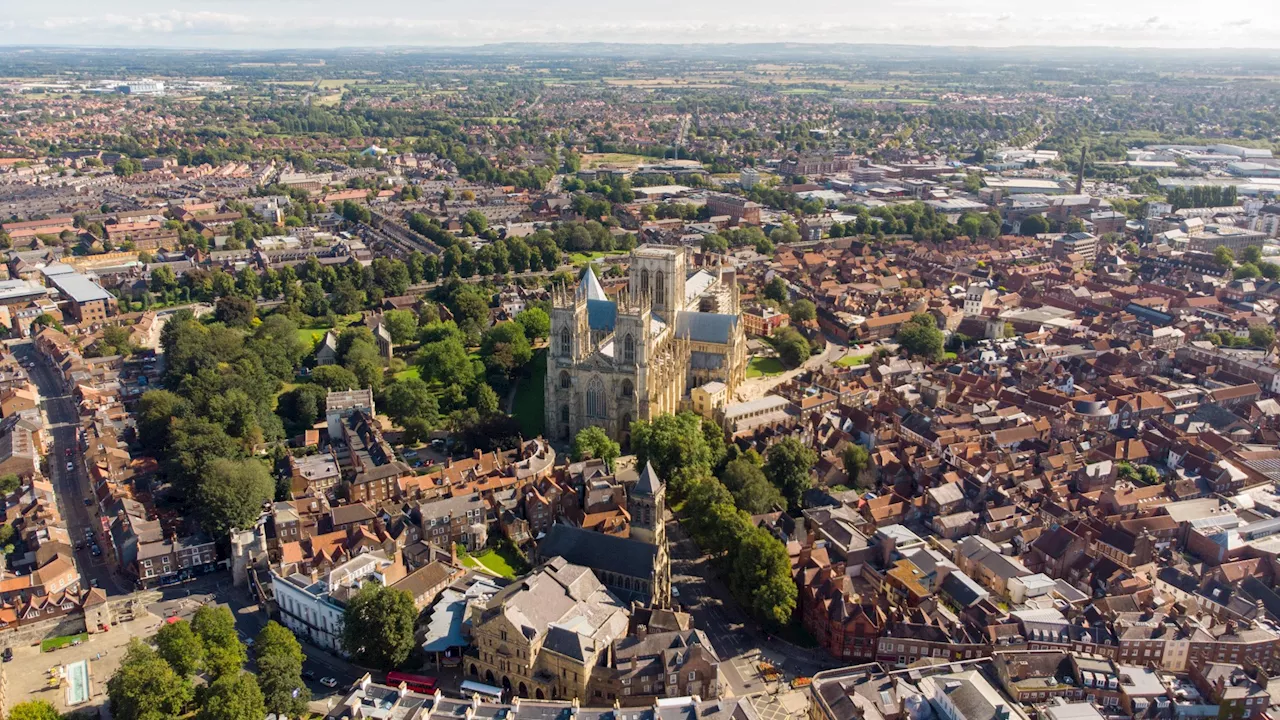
pixel 570 343
pixel 647 506
pixel 658 272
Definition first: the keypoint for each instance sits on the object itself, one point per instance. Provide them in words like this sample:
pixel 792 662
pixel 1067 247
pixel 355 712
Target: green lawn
pixel 764 366
pixel 310 336
pixel 413 371
pixel 851 360
pixel 60 642
pixel 502 561
pixel 580 259
pixel 529 406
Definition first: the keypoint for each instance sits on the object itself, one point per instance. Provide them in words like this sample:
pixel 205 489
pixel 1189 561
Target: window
pixel 644 282
pixel 673 679
pixel 693 675
pixel 596 406
pixel 660 288
pixel 566 342
pixel 564 378
pixel 564 413
pixel 627 389
pixel 629 350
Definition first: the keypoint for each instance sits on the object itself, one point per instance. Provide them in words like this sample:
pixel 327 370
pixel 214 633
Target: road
pixel 740 646
pixel 70 486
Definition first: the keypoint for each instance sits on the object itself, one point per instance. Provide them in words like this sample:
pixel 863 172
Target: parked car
pixel 308 675
pixel 95 550
pixel 70 466
pixel 88 502
pixel 329 682
pixel 68 452
pixel 8 654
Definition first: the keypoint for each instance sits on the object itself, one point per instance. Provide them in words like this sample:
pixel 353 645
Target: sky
pixel 264 24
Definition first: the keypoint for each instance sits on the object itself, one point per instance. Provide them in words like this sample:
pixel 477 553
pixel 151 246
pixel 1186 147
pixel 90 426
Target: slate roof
pixel 623 556
pixel 706 327
pixel 602 314
pixel 648 484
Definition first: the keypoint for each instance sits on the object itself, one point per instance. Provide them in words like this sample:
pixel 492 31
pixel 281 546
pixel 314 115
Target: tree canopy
pixel 378 626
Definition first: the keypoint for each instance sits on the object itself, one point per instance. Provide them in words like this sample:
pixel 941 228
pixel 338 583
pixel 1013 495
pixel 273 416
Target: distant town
pixel 575 383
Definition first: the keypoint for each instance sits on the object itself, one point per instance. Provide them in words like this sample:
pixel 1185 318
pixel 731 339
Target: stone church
pixel 614 361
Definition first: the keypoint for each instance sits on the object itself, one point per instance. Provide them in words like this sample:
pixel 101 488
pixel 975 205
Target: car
pixel 88 502
pixel 308 675
pixel 8 654
pixel 70 466
pixel 95 550
pixel 329 682
pixel 675 591
pixel 68 452
pixel 88 533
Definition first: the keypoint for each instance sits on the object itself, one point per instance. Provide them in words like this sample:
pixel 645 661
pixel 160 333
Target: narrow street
pixel 741 647
pixel 70 486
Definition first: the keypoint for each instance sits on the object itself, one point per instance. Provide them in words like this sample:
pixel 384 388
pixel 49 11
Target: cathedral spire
pixel 590 287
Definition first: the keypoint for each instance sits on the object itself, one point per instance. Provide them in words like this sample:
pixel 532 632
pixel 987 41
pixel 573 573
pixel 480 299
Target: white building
pixel 314 608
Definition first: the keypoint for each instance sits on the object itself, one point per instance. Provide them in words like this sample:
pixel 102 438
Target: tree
pixel 1261 336
pixel 751 490
pixel 593 442
pixel 1223 256
pixel 535 321
pixel 447 362
pixel 485 401
pixel 303 406
pixel 234 311
pixel 1246 271
pixel 787 465
pixel 505 349
pixel 279 659
pixel 1148 474
pixel 231 494
pixel 178 644
pixel 792 347
pixel 224 654
pixel 1131 248
pixel 144 687
pixel 34 710
pixel 857 461
pixel 234 696
pixel 1034 225
pixel 776 289
pixel 157 411
pixel 920 336
pixel 378 626
pixel 673 443
pixel 760 571
pixel 1251 254
pixel 803 311
pixel 401 324
pixel 411 398
pixel 335 377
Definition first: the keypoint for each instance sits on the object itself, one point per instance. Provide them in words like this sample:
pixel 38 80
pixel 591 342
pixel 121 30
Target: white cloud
pixel 327 23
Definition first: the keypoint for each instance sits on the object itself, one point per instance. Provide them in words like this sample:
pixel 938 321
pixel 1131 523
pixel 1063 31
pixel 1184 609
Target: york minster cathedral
pixel 637 356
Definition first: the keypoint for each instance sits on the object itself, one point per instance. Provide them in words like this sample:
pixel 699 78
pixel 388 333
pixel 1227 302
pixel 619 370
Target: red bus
pixel 417 683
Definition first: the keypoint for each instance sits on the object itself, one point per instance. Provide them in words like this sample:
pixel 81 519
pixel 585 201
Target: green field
pixel 594 160
pixel 764 367
pixel 851 360
pixel 529 405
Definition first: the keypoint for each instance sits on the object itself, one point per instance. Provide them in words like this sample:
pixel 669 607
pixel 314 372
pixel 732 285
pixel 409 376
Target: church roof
pixel 590 286
pixel 696 284
pixel 706 327
pixel 601 314
pixel 648 484
pixel 598 551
